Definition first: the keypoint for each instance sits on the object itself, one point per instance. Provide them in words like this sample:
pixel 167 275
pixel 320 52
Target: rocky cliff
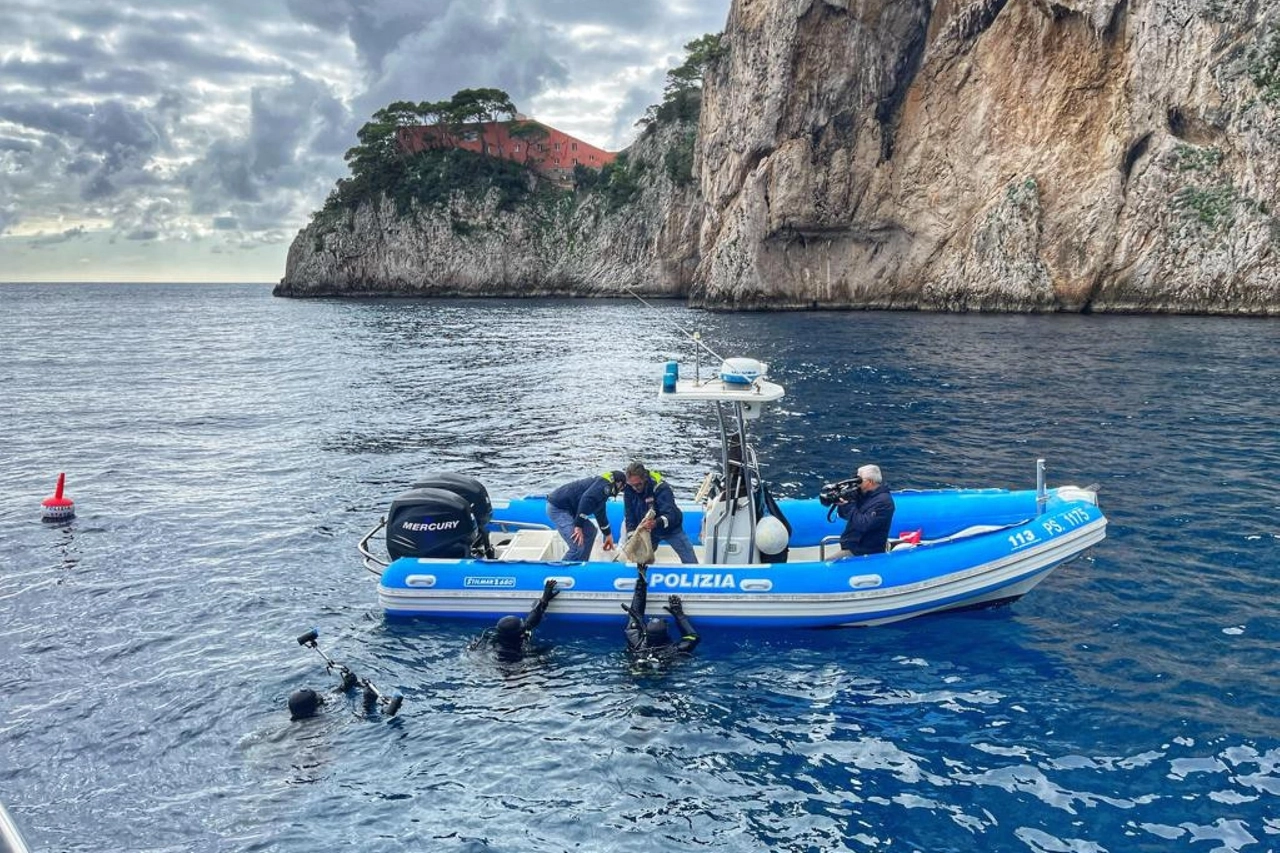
pixel 1018 155
pixel 552 245
pixel 994 155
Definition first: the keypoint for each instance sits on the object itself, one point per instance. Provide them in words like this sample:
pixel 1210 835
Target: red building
pixel 549 152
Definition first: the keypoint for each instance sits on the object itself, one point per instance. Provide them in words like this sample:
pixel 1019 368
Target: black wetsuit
pixel 639 642
pixel 512 645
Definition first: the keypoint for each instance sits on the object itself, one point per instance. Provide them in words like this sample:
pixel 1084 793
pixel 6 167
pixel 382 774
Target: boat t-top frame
pixel 740 392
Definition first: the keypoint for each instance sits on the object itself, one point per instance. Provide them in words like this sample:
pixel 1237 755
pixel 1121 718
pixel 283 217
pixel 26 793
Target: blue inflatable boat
pixel 453 552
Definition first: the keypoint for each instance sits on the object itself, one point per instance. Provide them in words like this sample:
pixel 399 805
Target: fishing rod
pixel 696 337
pixel 303 703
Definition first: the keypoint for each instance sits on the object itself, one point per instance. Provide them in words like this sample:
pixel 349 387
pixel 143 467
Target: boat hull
pixel 982 547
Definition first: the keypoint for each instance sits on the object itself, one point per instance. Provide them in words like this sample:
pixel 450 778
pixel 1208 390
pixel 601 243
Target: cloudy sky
pixel 158 140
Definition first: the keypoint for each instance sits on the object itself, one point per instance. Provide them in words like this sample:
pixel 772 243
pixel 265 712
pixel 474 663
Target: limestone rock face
pixel 471 247
pixel 997 155
pixel 1023 155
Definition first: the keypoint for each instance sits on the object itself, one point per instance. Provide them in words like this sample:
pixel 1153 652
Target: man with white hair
pixel 868 514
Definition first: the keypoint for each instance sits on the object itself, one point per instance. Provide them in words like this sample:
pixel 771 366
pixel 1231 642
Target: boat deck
pixel 538 545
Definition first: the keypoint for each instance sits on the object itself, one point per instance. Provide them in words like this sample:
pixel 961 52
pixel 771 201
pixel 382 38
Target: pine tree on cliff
pixel 682 93
pixel 480 106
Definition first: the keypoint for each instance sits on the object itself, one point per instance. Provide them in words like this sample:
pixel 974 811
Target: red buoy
pixel 58 508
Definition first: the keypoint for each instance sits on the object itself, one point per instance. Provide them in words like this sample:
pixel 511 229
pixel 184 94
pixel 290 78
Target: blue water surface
pixel 226 450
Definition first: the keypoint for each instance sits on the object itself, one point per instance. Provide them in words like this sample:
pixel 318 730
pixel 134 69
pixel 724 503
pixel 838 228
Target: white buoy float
pixel 58 508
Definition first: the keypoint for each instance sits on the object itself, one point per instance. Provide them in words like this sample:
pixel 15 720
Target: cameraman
pixel 869 512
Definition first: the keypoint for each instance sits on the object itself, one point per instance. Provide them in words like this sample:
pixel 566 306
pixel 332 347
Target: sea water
pixel 226 450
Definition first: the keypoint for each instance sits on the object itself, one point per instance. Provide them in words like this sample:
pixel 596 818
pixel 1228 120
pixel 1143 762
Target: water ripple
pixel 226 450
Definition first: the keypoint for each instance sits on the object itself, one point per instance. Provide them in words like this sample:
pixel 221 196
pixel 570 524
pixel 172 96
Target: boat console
pixel 739 502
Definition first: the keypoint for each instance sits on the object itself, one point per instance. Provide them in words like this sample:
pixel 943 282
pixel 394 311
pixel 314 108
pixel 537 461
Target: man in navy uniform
pixel 572 507
pixel 649 491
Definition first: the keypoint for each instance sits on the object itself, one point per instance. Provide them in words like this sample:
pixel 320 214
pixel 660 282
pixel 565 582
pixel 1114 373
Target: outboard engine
pixel 430 523
pixel 474 493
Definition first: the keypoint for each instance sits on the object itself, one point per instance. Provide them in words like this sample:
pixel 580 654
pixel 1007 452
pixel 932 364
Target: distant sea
pixel 227 449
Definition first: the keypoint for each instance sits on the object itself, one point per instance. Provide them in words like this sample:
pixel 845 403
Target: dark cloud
pixel 628 17
pixel 636 101
pixel 96 17
pixel 81 48
pixel 226 120
pixel 11 144
pixel 377 27
pixel 334 128
pixel 81 165
pixel 285 118
pixel 132 82
pixel 220 176
pixel 100 18
pixel 282 165
pixel 192 55
pixel 518 56
pixel 99 186
pixel 121 132
pixel 120 140
pixel 263 221
pixel 44 74
pixel 332 15
pixel 429 50
pixel 56 119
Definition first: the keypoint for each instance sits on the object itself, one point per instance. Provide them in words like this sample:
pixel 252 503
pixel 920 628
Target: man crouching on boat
pixel 650 642
pixel 572 506
pixel 869 513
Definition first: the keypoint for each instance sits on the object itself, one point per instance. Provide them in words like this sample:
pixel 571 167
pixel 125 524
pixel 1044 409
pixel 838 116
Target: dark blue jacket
pixel 585 498
pixel 869 515
pixel 657 494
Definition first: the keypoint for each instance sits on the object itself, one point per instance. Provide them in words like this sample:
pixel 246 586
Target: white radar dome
pixel 742 371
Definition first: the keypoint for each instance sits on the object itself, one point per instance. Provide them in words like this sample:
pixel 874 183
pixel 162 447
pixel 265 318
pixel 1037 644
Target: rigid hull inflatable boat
pixel 454 552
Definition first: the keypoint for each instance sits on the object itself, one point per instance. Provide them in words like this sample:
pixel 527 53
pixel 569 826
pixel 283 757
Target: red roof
pixel 549 152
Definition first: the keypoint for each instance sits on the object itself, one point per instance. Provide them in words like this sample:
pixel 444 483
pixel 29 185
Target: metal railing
pixel 372 562
pixel 376 564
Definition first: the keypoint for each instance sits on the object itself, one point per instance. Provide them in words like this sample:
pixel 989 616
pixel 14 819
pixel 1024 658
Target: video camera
pixel 843 490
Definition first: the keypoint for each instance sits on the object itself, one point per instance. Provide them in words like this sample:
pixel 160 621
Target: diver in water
pixel 510 637
pixel 650 641
pixel 306 703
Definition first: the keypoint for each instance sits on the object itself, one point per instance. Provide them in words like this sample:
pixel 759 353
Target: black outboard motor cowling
pixel 471 490
pixel 431 523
